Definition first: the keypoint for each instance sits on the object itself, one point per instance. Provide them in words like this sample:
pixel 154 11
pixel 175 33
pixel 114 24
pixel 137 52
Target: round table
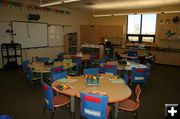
pixel 128 66
pixel 39 67
pixel 116 92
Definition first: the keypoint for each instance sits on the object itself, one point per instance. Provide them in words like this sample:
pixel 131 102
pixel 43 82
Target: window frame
pixel 140 35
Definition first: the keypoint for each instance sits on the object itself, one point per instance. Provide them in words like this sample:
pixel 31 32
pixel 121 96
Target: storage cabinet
pixel 71 43
pixel 161 57
pixel 172 58
pixel 97 50
pixel 11 53
pixel 97 33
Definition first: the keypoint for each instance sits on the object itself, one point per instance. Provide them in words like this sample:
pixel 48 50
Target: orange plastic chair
pixel 131 105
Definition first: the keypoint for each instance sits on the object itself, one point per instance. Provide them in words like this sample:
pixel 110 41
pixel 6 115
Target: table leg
pixel 86 63
pixel 72 107
pixel 41 78
pixel 116 110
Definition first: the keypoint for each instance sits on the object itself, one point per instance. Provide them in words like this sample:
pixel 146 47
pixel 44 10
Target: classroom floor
pixel 22 100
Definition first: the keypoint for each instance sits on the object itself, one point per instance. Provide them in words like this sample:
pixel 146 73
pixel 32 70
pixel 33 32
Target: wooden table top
pixel 116 91
pixel 83 56
pixel 128 66
pixel 42 68
pixel 128 57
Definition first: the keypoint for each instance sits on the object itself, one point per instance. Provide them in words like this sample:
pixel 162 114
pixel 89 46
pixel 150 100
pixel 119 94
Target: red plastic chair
pixel 131 105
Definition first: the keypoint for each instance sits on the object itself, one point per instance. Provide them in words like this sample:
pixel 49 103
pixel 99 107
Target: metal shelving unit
pixel 71 43
pixel 11 53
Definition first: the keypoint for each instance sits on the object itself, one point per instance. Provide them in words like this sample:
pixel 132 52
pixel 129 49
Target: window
pixel 141 28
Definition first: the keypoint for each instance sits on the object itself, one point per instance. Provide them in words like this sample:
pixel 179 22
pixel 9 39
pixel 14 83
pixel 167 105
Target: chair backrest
pixel 139 75
pixel 77 60
pixel 135 60
pixel 113 59
pixel 57 73
pixel 101 61
pixel 60 56
pixel 132 53
pixel 29 73
pixel 110 69
pixel 42 59
pixel 125 77
pixel 142 59
pixel 91 70
pixel 138 92
pixel 149 66
pixel 25 64
pixel 48 96
pixel 93 106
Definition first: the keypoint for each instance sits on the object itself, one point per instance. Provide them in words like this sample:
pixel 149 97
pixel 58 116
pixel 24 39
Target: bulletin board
pixel 55 35
pixel 169 27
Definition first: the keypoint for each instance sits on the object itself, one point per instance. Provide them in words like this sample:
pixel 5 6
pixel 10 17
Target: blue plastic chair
pixel 113 59
pixel 60 56
pixel 42 59
pixel 132 53
pixel 78 61
pixel 139 75
pixel 149 68
pixel 51 101
pixel 25 64
pixel 57 73
pixel 110 69
pixel 91 71
pixel 101 61
pixel 125 77
pixel 5 117
pixel 91 61
pixel 32 76
pixel 94 106
pixel 135 60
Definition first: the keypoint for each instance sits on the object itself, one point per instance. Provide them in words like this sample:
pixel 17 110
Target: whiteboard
pixel 30 34
pixel 5 37
pixel 55 35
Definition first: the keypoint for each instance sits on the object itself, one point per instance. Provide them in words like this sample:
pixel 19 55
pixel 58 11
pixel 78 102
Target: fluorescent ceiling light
pixel 102 15
pixel 119 14
pixel 171 12
pixel 58 2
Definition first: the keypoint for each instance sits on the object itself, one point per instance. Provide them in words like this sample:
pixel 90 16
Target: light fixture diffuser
pixel 58 2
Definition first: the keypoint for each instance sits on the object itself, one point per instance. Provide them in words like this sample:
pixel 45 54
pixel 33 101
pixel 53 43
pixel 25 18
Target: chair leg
pixel 111 115
pixel 135 114
pixel 44 109
pixel 150 81
pixel 52 115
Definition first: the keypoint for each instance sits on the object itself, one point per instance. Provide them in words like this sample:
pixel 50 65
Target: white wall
pixel 75 19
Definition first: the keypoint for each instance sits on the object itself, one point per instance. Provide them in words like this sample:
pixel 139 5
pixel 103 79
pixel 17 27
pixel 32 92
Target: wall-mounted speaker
pixel 34 17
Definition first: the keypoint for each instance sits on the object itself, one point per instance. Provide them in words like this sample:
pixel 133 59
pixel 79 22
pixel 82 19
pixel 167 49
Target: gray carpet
pixel 22 100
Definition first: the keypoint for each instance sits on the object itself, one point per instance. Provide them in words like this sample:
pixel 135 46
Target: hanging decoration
pixel 11 3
